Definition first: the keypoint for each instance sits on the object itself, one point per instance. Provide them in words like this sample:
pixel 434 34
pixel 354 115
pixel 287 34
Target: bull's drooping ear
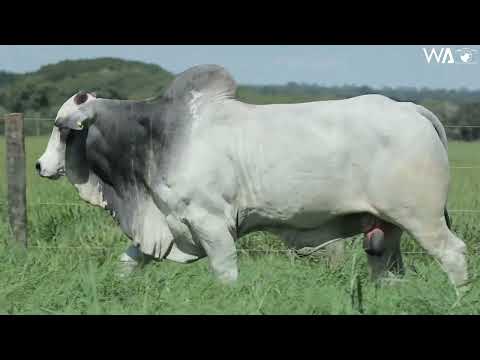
pixel 76 163
pixel 80 98
pixel 75 121
pixel 82 114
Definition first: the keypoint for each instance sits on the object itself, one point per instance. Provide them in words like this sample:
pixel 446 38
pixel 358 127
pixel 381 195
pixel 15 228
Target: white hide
pixel 298 166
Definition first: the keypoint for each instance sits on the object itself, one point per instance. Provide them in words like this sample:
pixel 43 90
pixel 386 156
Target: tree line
pixel 40 94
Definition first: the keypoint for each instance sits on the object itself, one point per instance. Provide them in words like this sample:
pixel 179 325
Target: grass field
pixel 70 265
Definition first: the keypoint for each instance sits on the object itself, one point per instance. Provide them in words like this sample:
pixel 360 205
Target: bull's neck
pixel 127 142
pixel 127 149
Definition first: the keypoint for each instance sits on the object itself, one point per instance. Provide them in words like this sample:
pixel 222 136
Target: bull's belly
pixel 317 210
pixel 325 229
pixel 303 204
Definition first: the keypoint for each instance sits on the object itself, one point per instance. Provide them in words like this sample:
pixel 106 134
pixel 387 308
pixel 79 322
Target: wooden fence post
pixel 16 179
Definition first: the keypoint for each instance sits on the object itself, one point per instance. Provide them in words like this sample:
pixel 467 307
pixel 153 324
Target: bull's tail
pixel 447 218
pixel 443 138
pixel 436 124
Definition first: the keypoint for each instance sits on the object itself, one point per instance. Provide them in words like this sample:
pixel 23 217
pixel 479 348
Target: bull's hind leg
pixel 430 230
pixel 382 245
pixel 437 239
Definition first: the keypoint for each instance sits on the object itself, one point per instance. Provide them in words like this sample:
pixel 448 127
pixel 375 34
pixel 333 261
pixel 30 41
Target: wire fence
pixel 302 253
pixel 241 250
pixel 469 166
pixel 51 119
pixel 86 204
pixel 461 126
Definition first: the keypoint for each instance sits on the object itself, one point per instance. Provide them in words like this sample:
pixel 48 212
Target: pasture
pixel 69 267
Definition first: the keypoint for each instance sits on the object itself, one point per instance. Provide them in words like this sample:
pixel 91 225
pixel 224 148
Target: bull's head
pixel 72 116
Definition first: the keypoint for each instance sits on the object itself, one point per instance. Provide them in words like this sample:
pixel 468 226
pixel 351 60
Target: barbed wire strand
pixel 273 251
pixel 28 118
pixel 322 250
pixel 293 252
pixel 88 205
pixel 467 167
pixel 462 126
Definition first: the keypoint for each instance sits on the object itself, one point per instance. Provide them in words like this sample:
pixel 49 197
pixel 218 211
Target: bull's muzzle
pixel 41 172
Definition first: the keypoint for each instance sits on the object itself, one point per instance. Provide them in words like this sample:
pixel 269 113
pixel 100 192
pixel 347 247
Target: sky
pixel 375 66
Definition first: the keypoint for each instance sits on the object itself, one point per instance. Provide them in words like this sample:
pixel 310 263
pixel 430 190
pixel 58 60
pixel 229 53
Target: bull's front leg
pixel 131 259
pixel 212 232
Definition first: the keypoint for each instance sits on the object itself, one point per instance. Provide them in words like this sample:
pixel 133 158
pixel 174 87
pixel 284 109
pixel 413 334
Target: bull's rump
pixel 303 164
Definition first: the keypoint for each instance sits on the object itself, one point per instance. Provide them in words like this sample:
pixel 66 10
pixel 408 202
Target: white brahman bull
pixel 188 173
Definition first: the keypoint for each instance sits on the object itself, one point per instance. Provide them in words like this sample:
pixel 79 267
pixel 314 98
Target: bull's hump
pixel 211 80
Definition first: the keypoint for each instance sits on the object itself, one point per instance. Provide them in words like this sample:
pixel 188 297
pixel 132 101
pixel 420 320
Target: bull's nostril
pixel 37 166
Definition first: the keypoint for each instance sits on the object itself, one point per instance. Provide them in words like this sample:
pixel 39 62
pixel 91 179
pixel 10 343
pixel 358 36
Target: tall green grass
pixel 70 266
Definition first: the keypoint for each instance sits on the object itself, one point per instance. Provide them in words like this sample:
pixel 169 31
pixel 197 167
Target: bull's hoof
pixel 126 266
pixel 228 277
pixel 374 243
pixel 391 279
pixel 461 291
